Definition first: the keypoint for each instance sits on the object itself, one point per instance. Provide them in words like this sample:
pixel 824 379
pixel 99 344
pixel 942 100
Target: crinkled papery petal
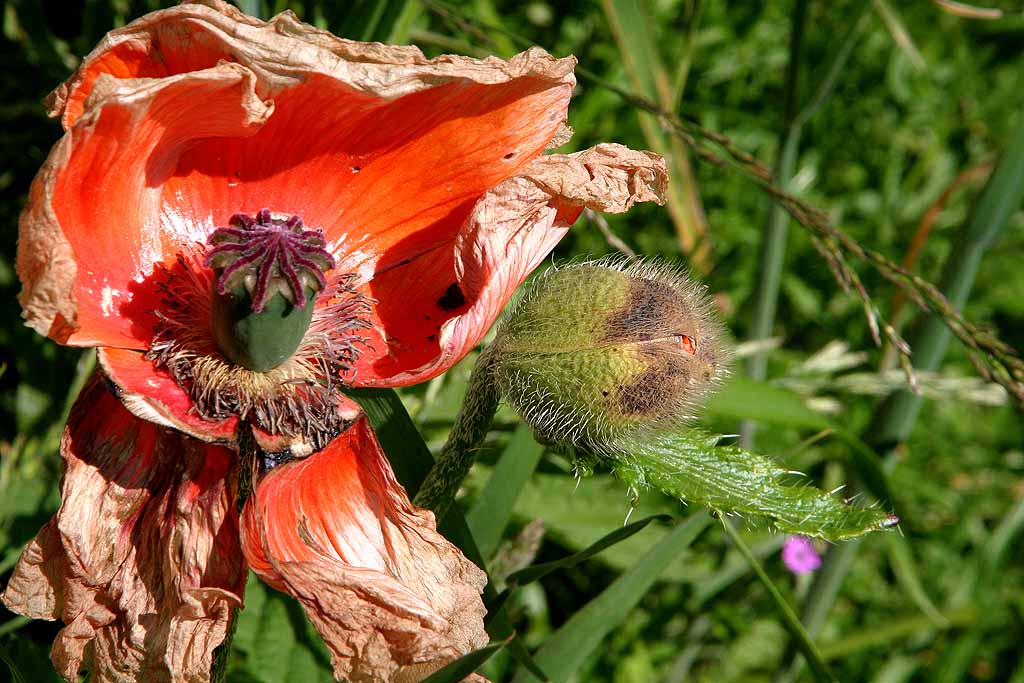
pixel 456 294
pixel 383 149
pixel 141 562
pixel 391 597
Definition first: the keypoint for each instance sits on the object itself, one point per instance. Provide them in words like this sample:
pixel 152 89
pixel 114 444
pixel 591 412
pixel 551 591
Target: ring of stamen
pixel 298 398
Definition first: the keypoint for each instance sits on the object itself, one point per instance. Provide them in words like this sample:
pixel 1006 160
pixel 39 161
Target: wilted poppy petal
pixel 434 310
pixel 92 231
pixel 391 597
pixel 400 147
pixel 152 394
pixel 141 562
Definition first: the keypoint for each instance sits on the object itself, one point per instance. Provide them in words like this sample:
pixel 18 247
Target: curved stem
pixel 471 426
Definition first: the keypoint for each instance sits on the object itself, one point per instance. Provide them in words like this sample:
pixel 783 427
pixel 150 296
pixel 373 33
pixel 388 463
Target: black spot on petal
pixel 452 298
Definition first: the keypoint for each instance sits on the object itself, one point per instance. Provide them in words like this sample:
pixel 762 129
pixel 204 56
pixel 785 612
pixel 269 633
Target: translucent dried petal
pixel 141 562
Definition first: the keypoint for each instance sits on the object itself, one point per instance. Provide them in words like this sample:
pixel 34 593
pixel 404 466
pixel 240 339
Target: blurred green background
pixel 888 115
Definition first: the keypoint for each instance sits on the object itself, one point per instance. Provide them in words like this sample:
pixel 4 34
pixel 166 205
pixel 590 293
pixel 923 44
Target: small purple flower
pixel 799 555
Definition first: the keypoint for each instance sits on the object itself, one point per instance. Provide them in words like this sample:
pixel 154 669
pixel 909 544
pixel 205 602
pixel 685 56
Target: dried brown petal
pixel 141 562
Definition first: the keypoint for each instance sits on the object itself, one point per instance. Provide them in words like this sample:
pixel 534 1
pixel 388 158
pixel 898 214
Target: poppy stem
pixel 438 490
pixel 248 458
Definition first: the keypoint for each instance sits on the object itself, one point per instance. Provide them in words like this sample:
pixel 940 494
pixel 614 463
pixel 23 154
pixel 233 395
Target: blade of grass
pixel 955 663
pixel 489 517
pixel 567 648
pixel 896 629
pixel 773 241
pixel 398 436
pixel 789 618
pixel 13 625
pixel 633 35
pixel 539 571
pixel 773 245
pixel 905 568
pixel 464 665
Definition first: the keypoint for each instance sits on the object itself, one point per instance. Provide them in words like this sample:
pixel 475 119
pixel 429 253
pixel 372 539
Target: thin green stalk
pixel 438 490
pixel 773 245
pixel 773 242
pixel 789 619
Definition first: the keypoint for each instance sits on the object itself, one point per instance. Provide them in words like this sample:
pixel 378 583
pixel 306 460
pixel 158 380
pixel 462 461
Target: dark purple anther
pixel 268 256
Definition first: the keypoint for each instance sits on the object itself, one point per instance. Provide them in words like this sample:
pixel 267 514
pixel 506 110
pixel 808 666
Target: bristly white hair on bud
pixel 598 351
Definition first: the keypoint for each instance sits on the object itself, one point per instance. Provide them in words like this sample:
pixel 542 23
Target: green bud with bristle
pixel 600 350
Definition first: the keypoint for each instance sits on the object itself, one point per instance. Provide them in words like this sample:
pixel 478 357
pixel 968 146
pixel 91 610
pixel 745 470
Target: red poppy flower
pixel 246 218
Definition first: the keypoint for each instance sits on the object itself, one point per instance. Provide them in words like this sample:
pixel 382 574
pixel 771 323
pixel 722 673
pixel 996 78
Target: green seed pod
pixel 601 350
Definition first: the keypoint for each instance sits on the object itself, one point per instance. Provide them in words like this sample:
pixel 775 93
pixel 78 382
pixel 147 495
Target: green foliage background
pixel 924 97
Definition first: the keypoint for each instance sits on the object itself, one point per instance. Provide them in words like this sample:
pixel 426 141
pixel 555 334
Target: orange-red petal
pixel 435 309
pixel 385 150
pixel 391 597
pixel 92 231
pixel 141 562
pixel 152 394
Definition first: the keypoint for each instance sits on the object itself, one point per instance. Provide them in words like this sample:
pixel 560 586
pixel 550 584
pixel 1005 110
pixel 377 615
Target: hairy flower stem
pixel 438 490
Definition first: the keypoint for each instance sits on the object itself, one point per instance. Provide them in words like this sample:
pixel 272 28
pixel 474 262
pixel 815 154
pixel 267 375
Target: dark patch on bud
pixel 649 394
pixel 652 310
pixel 452 298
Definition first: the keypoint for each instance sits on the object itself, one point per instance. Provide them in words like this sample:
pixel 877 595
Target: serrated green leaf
pixel 567 648
pixel 694 466
pixel 746 399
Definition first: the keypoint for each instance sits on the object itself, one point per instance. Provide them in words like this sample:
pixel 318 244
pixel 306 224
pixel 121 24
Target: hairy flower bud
pixel 600 350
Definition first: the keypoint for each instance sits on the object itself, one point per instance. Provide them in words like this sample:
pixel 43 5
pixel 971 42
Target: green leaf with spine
pixel 694 466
